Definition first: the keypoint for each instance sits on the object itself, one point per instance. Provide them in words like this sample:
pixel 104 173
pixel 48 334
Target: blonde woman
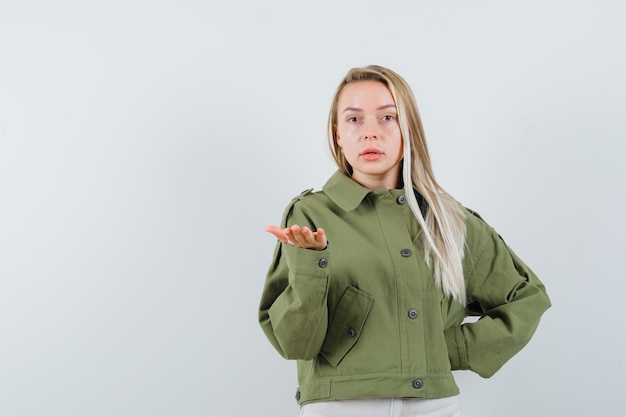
pixel 373 276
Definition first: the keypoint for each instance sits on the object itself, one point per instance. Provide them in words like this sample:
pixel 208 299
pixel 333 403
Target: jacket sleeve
pixel 510 300
pixel 293 309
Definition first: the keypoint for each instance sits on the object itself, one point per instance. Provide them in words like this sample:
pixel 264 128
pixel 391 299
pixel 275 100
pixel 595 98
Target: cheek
pixel 344 137
pixel 343 132
pixel 400 144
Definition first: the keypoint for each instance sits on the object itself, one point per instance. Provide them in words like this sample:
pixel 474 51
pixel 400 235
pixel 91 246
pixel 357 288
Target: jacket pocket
pixel 346 324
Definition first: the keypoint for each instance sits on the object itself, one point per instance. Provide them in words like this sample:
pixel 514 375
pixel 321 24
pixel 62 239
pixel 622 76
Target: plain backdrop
pixel 145 145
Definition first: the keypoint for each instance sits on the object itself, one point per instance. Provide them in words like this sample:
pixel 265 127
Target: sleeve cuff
pixel 307 261
pixel 457 348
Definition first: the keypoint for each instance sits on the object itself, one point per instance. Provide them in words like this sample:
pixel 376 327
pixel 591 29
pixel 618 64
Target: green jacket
pixel 364 317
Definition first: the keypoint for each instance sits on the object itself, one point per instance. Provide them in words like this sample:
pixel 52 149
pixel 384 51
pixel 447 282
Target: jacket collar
pixel 348 194
pixel 344 191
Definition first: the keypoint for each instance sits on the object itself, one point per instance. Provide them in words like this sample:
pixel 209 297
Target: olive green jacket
pixel 364 317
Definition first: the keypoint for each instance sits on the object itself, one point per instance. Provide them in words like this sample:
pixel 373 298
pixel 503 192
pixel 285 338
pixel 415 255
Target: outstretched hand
pixel 300 237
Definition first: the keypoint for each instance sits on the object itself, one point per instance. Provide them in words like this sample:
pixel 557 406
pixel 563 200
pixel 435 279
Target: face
pixel 369 135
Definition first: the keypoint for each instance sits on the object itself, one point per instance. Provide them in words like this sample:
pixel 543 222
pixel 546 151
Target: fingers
pixel 301 237
pixel 320 237
pixel 306 238
pixel 278 232
pixel 295 236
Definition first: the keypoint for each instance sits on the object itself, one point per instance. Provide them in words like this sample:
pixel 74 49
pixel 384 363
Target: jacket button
pixel 298 396
pixel 401 199
pixel 417 383
pixel 412 314
pixel 351 332
pixel 322 263
pixel 405 252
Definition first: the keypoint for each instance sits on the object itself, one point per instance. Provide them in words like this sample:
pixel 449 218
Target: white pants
pixel 384 407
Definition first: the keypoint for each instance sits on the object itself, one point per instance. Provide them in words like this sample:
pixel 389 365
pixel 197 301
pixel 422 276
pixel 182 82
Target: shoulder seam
pixel 293 201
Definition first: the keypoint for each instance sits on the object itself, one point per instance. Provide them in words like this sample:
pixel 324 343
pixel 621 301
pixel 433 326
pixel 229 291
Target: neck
pixel 374 182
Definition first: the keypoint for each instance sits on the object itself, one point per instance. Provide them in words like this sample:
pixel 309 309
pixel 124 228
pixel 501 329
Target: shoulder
pixel 476 224
pixel 310 196
pixel 483 242
pixel 298 198
pixel 479 234
pixel 302 195
pixel 308 200
pixel 474 221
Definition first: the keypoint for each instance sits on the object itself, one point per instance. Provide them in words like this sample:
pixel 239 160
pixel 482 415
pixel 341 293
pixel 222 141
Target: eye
pixel 388 117
pixel 353 119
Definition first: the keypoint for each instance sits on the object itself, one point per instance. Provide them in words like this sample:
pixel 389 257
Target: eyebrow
pixel 386 106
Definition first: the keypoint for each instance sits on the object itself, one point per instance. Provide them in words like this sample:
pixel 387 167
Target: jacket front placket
pixel 393 214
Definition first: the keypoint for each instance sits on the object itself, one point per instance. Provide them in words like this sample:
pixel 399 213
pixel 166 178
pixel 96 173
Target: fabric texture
pixel 364 318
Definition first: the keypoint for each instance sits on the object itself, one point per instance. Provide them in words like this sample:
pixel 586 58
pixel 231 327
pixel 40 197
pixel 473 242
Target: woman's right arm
pixel 293 309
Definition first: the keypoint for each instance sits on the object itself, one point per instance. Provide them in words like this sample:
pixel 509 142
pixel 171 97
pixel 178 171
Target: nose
pixel 370 129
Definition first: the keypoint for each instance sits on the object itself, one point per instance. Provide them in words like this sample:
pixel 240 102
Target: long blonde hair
pixel 443 226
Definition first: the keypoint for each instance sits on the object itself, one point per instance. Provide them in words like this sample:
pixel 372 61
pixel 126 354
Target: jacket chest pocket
pixel 346 324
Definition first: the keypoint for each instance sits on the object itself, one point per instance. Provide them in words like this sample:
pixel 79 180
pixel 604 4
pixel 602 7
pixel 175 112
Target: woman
pixel 373 276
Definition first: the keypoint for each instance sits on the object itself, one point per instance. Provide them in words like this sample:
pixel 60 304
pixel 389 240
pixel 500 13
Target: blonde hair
pixel 443 226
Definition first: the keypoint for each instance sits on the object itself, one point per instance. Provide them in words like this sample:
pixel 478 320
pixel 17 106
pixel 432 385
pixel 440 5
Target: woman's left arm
pixel 511 299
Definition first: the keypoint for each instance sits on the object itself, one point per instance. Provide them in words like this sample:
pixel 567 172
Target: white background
pixel 144 145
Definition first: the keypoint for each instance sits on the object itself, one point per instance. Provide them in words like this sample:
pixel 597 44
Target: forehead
pixel 361 93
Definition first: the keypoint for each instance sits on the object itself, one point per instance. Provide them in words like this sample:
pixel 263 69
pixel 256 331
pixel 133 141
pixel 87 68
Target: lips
pixel 371 154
